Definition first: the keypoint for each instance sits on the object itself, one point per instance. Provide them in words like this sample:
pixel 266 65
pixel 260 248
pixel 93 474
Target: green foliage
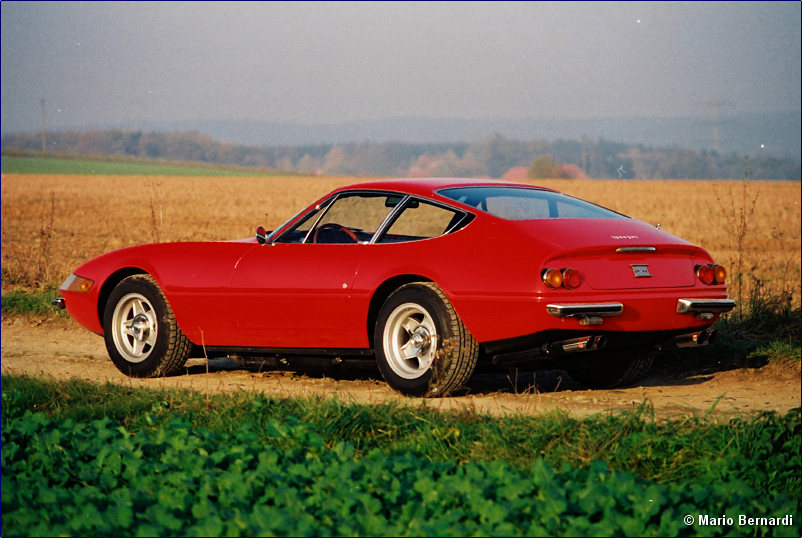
pixel 779 352
pixel 80 458
pixel 544 167
pixel 766 328
pixel 66 164
pixel 24 302
pixel 662 451
pixel 766 317
pixel 62 477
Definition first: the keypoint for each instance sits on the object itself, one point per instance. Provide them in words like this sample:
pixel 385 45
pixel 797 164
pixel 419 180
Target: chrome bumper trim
pixel 584 310
pixel 704 306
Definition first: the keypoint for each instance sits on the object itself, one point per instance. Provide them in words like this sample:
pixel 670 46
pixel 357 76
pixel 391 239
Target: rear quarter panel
pixel 490 278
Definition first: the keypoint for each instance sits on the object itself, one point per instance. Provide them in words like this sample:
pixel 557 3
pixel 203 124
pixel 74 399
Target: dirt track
pixel 62 349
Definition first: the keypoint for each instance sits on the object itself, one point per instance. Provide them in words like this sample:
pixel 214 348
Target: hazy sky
pixel 104 63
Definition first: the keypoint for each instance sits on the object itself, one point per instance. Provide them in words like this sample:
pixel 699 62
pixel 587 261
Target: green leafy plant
pixel 83 459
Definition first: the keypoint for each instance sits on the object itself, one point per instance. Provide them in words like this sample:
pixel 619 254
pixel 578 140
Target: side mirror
pixel 261 235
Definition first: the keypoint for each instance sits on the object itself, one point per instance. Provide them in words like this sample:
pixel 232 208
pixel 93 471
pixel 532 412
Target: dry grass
pixel 95 214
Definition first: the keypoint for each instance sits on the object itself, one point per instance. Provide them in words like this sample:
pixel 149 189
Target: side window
pixel 352 219
pixel 300 231
pixel 421 220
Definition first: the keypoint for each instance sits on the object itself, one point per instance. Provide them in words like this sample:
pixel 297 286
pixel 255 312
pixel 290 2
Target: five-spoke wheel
pixel 410 340
pixel 140 330
pixel 422 347
pixel 134 327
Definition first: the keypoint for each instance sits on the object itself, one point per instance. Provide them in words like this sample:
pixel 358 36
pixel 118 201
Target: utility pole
pixel 44 128
pixel 585 165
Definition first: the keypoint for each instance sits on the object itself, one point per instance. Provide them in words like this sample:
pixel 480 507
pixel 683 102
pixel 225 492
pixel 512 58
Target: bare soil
pixel 61 349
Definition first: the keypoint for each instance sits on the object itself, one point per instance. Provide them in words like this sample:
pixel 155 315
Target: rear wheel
pixel 422 347
pixel 612 374
pixel 140 330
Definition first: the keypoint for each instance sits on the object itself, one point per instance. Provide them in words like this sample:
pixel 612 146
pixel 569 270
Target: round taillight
pixel 571 278
pixel 552 278
pixel 719 274
pixel 705 274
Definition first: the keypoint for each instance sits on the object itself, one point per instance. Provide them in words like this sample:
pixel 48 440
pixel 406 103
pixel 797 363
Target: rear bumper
pixel 704 306
pixel 592 313
pixel 573 310
pixel 500 316
pixel 588 313
pixel 637 321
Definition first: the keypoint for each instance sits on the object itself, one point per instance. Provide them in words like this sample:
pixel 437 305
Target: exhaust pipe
pixel 712 335
pixel 575 345
pixel 695 339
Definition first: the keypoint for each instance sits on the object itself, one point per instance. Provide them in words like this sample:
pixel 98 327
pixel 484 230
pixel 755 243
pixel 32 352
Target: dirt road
pixel 62 349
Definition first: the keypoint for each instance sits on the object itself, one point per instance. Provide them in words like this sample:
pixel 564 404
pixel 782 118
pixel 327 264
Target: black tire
pixel 141 333
pixel 611 374
pixel 422 347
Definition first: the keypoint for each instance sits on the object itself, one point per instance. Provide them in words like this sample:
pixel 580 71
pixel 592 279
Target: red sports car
pixel 430 277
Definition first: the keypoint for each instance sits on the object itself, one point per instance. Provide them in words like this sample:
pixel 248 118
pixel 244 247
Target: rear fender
pixel 382 293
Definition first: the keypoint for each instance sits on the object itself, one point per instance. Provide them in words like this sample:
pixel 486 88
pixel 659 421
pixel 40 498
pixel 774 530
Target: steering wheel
pixel 334 227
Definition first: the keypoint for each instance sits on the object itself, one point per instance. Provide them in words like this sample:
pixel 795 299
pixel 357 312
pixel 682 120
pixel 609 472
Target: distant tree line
pixel 492 156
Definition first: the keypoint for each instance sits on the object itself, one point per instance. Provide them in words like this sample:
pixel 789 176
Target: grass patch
pixel 778 353
pixel 22 302
pixel 760 451
pixel 85 459
pixel 768 328
pixel 113 166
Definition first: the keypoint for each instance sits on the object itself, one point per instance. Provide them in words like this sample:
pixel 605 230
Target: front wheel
pixel 141 334
pixel 422 347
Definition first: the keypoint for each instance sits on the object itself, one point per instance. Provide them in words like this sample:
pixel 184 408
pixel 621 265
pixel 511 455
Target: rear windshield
pixel 521 203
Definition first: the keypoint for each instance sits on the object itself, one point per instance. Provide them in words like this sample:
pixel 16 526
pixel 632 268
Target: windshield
pixel 521 203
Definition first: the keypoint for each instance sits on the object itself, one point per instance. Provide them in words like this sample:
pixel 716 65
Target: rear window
pixel 521 203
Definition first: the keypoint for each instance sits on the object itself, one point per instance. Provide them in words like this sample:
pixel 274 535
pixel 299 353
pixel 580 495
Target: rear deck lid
pixel 617 253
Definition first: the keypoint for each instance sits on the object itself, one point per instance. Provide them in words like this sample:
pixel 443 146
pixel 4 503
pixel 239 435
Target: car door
pixel 296 292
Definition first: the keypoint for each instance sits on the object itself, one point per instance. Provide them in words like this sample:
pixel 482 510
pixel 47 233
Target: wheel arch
pixel 382 293
pixel 110 283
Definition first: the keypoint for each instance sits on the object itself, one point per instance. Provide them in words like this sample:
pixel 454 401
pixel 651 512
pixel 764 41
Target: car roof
pixel 428 187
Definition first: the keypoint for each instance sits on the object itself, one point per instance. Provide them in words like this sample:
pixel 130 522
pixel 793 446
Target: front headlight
pixel 77 284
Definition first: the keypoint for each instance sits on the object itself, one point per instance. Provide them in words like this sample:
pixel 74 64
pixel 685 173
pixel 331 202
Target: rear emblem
pixel 641 271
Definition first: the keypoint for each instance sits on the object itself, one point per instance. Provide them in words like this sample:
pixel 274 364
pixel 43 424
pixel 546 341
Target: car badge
pixel 641 270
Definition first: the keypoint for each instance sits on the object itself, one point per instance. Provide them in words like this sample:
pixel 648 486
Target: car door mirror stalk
pixel 261 235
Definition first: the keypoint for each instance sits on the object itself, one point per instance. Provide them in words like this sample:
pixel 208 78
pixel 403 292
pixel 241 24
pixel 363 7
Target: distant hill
pixel 489 156
pixel 755 135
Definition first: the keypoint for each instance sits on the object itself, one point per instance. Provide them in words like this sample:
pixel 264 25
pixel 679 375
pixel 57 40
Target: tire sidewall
pixel 428 300
pixel 147 288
